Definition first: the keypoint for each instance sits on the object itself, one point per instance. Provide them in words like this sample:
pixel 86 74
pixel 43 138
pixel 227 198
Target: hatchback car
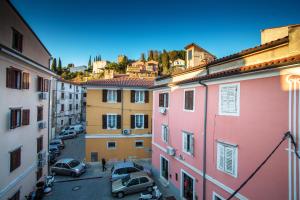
pixel 67 135
pixel 133 183
pixel 69 167
pixel 58 142
pixel 122 169
pixel 54 149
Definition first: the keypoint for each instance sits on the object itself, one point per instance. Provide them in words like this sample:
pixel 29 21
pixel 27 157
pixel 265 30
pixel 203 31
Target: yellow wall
pixel 125 149
pixel 96 108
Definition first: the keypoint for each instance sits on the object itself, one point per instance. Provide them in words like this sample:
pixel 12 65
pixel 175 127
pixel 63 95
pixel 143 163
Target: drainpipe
pixel 122 109
pixel 204 137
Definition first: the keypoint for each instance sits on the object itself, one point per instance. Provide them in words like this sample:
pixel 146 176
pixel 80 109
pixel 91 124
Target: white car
pixel 77 128
pixel 67 134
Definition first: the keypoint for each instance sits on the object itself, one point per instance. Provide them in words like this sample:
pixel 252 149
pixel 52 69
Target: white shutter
pixel 220 156
pixel 192 144
pixel 184 141
pixel 229 158
pixel 166 134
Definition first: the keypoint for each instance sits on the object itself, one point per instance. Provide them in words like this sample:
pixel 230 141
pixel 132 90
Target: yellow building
pixel 118 113
pixel 141 69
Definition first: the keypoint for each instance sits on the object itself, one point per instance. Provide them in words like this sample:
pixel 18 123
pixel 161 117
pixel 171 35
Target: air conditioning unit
pixel 126 132
pixel 163 111
pixel 42 125
pixel 43 95
pixel 171 151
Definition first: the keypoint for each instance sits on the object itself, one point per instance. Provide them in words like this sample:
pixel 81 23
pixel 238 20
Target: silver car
pixel 67 134
pixel 69 167
pixel 133 183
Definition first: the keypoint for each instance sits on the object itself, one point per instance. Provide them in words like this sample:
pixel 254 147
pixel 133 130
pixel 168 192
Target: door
pixel 164 168
pixel 187 187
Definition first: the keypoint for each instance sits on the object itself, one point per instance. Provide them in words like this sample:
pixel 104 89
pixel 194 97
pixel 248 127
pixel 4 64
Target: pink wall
pixel 263 120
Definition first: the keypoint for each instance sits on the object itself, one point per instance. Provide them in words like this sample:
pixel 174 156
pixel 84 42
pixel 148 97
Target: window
pixel 70 86
pixel 62 95
pixel 188 143
pixel 70 96
pixel 76 96
pixel 112 95
pixel 76 106
pixel 39 113
pixel 111 121
pixel 15 159
pixel 229 97
pixel 70 121
pixel 70 107
pixel 139 143
pixel 62 107
pixel 227 158
pixel 133 182
pixel 84 94
pixel 42 84
pixel 165 133
pixel 25 117
pixel 17 40
pixel 16 196
pixel 190 55
pixel 189 100
pixel 15 118
pixel 61 122
pixel 25 80
pixel 139 121
pixel 144 180
pixel 39 174
pixel 13 78
pixel 217 197
pixel 164 100
pixel 62 86
pixel 111 145
pixel 139 96
pixel 94 156
pixel 39 144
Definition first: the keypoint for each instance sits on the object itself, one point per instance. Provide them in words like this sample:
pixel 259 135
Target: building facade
pixel 81 68
pixel 68 104
pixel 99 66
pixel 24 110
pixel 195 56
pixel 141 69
pixel 119 113
pixel 221 120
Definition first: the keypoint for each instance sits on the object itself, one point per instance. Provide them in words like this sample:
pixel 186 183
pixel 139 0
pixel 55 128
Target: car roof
pixel 139 174
pixel 123 164
pixel 52 146
pixel 65 160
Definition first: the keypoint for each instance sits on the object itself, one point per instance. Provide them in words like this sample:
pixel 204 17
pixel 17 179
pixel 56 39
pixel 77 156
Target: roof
pixel 68 81
pixel 232 56
pixel 122 82
pixel 26 24
pixel 240 70
pixel 197 47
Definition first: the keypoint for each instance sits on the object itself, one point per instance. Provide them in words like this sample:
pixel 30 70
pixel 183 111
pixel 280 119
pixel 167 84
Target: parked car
pixel 122 169
pixel 59 142
pixel 78 128
pixel 54 149
pixel 52 158
pixel 67 135
pixel 69 167
pixel 132 183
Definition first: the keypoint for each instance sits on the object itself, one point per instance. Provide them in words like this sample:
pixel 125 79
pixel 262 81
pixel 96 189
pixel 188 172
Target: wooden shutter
pixel 161 100
pixel 104 95
pixel 132 120
pixel 8 78
pixel 132 96
pixel 192 144
pixel 25 80
pixel 118 121
pixel 39 113
pixel 104 121
pixel 15 159
pixel 45 88
pixel 13 119
pixel 40 84
pixel 146 96
pixel 39 144
pixel 167 99
pixel 119 95
pixel 146 121
pixel 25 117
pixel 220 156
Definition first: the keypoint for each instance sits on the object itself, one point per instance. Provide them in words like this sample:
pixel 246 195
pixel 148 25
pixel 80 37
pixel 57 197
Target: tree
pixel 150 55
pixel 165 62
pixel 54 66
pixel 59 67
pixel 90 65
pixel 142 57
pixel 99 58
pixel 123 64
pixel 156 55
pixel 173 55
pixel 90 61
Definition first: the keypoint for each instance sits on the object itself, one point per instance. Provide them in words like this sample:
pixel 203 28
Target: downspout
pixel 204 137
pixel 49 118
pixel 122 109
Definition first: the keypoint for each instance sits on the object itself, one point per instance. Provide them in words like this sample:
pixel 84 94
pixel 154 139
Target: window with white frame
pixel 165 133
pixel 227 158
pixel 111 121
pixel 164 100
pixel 139 96
pixel 139 143
pixel 112 95
pixel 188 143
pixel 229 99
pixel 139 121
pixel 111 145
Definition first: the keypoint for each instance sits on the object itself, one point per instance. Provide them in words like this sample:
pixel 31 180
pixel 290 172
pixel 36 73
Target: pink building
pixel 222 119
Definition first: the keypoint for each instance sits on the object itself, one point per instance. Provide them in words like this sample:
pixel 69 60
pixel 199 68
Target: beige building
pixel 99 66
pixel 25 79
pixel 195 56
pixel 142 69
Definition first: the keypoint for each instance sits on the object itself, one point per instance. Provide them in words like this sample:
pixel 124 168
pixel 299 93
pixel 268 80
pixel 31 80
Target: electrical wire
pixel 286 135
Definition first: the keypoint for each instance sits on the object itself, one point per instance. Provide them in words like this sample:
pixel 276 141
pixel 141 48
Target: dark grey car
pixel 69 167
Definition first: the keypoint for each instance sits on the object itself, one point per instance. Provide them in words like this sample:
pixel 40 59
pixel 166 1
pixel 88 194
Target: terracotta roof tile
pixel 121 82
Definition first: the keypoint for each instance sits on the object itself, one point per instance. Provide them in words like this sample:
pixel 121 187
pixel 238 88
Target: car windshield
pixel 74 163
pixel 138 166
pixel 125 180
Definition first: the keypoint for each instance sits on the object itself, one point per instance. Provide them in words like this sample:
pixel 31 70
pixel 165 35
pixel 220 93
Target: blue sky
pixel 76 29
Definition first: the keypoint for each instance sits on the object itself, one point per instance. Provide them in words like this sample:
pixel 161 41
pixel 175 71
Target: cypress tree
pixel 165 62
pixel 54 66
pixel 59 67
pixel 142 57
pixel 150 56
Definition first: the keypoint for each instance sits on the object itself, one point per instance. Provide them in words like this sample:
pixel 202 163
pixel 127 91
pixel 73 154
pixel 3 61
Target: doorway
pixel 187 186
pixel 164 168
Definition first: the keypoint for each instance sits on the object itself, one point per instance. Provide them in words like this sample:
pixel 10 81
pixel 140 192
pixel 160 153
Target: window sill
pixel 139 128
pixel 229 114
pixel 185 110
pixel 232 175
pixel 139 147
pixel 188 153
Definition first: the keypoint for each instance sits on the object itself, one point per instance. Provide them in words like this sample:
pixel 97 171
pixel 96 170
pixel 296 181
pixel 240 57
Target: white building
pixel 178 63
pixel 81 68
pixel 25 78
pixel 98 66
pixel 68 106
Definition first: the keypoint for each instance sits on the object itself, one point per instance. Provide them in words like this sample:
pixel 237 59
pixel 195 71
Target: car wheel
pixel 149 189
pixel 120 195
